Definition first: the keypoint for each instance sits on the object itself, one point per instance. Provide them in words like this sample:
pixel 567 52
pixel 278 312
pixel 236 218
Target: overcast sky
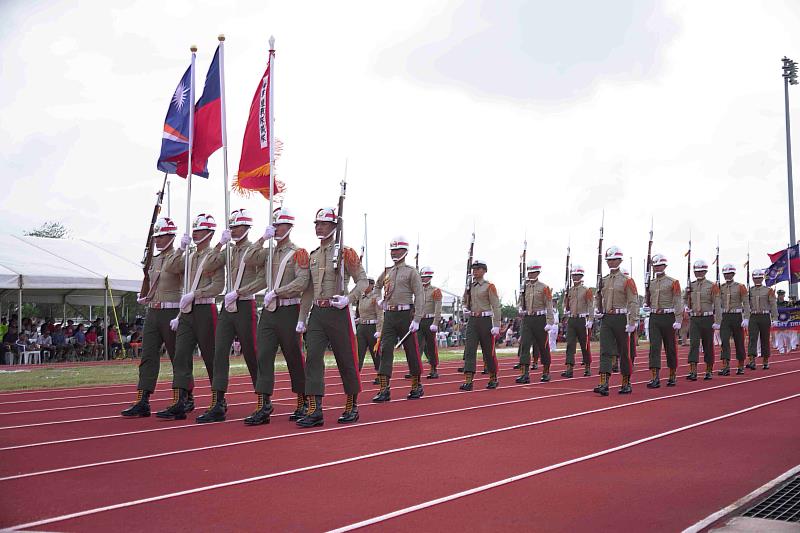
pixel 515 117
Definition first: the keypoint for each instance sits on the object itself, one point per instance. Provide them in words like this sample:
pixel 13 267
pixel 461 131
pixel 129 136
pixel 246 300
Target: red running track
pixel 406 454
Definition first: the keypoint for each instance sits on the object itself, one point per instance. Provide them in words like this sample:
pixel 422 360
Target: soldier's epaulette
pixel 714 288
pixel 742 290
pixel 437 294
pixel 350 257
pixel 492 288
pixel 629 283
pixel 547 292
pixel 301 257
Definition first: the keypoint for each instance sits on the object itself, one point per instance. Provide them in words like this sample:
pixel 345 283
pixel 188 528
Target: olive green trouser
pixel 365 334
pixel 195 328
pixel 731 326
pixel 329 325
pixel 279 328
pixel 427 339
pixel 614 341
pixel 240 324
pixel 395 326
pixel 661 332
pixel 576 333
pixel 759 329
pixel 700 331
pixel 479 331
pixel 155 333
pixel 534 336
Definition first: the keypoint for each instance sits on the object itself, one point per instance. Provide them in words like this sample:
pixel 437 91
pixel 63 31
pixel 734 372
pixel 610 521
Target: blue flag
pixel 779 269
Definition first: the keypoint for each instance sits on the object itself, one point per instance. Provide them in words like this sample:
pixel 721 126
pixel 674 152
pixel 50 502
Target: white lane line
pixel 713 517
pixel 398 419
pixel 400 512
pixel 538 471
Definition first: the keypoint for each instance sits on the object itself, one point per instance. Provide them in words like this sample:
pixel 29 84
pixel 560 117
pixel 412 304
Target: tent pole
pixel 19 308
pixel 105 320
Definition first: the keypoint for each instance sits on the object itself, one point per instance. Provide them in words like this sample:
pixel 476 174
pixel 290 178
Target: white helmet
pixel 534 265
pixel 613 252
pixel 204 221
pixel 398 243
pixel 326 214
pixel 659 260
pixel 479 263
pixel 283 216
pixel 164 226
pixel 700 266
pixel 426 272
pixel 758 273
pixel 240 217
pixel 728 268
pixel 577 270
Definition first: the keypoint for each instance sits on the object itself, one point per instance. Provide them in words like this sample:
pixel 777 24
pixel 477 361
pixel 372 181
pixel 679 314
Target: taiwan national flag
pixel 207 122
pixel 175 139
pixel 782 263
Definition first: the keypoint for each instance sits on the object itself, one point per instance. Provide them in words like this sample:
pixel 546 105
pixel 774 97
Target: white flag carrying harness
pixel 188 307
pixel 281 269
pixel 232 308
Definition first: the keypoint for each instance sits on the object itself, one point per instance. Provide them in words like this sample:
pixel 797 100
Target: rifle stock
pixel 148 247
pixel 468 282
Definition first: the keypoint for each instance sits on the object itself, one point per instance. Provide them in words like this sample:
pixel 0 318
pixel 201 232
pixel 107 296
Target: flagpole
pixel 189 171
pixel 271 150
pixel 221 38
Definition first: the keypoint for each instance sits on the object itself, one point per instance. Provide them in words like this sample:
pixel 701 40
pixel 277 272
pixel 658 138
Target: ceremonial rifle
pixel 717 261
pixel 689 274
pixel 565 295
pixel 600 268
pixel 338 247
pixel 148 247
pixel 468 282
pixel 416 257
pixel 648 269
pixel 523 273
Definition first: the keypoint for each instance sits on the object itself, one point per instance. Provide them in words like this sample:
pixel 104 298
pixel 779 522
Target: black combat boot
pixel 602 388
pixel 262 413
pixel 709 371
pixel 485 370
pixel 726 368
pixel 517 366
pixel 408 376
pixel 190 402
pixel 692 376
pixel 350 414
pixel 740 368
pixel 434 374
pixel 384 395
pixel 493 382
pixel 416 389
pixel 752 364
pixel 467 385
pixel 655 382
pixel 615 363
pixel 535 364
pixel 301 409
pixel 524 376
pixel 765 366
pixel 215 413
pixel 176 410
pixel 545 374
pixel 314 417
pixel 626 385
pixel 587 371
pixel 568 372
pixel 672 381
pixel 141 407
pixel 376 381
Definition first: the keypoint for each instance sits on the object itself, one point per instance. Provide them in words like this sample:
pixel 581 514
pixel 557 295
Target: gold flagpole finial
pixel 193 48
pixel 221 37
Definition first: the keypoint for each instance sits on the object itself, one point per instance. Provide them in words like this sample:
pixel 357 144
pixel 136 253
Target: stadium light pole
pixel 789 78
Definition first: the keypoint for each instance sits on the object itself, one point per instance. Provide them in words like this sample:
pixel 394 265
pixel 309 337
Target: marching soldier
pixel 432 313
pixel 735 319
pixel 166 276
pixel 702 299
pixel 580 301
pixel 537 322
pixel 278 322
pixel 483 325
pixel 619 302
pixel 763 307
pixel 403 307
pixel 665 319
pixel 330 321
pixel 197 319
pixel 633 339
pixel 238 316
pixel 369 324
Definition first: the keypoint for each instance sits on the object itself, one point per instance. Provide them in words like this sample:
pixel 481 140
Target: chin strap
pixel 279 239
pixel 242 237
pixel 400 258
pixel 167 245
pixel 208 236
pixel 328 235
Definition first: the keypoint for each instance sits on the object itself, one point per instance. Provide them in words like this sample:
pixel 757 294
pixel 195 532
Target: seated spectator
pixel 91 341
pixel 45 342
pixel 20 346
pixel 114 345
pixel 69 331
pixel 8 346
pixel 80 340
pixel 59 342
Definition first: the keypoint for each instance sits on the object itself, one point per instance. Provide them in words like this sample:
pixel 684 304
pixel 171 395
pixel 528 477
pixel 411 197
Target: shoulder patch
pixel 742 290
pixel 589 295
pixel 676 287
pixel 301 257
pixel 714 289
pixel 630 284
pixel 547 292
pixel 437 294
pixel 770 292
pixel 350 257
pixel 492 289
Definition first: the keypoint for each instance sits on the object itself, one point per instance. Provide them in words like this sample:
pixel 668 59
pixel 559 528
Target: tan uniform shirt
pixel 665 293
pixel 368 308
pixel 168 266
pixel 538 299
pixel 483 298
pixel 705 299
pixel 580 300
pixel 324 283
pixel 253 276
pixel 733 295
pixel 402 285
pixel 763 300
pixel 619 292
pixel 212 279
pixel 433 303
pixel 295 275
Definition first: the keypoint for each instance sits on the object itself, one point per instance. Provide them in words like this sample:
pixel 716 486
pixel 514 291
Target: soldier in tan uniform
pixel 482 306
pixel 536 306
pixel 429 326
pixel 197 320
pixel 578 308
pixel 617 304
pixel 403 307
pixel 763 313
pixel 330 321
pixel 665 319
pixel 735 319
pixel 278 323
pixel 166 276
pixel 369 322
pixel 702 299
pixel 238 316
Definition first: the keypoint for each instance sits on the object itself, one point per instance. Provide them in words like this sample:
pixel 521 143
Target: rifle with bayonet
pixel 689 275
pixel 149 244
pixel 717 262
pixel 648 268
pixel 523 265
pixel 600 309
pixel 565 294
pixel 468 282
pixel 338 247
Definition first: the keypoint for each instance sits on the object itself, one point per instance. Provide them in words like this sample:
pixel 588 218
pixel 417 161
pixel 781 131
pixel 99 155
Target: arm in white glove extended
pixel 414 326
pixel 186 299
pixel 495 331
pixel 301 327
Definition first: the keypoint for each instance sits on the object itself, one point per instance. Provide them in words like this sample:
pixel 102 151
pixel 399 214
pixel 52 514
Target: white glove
pixel 380 302
pixel 377 335
pixel 646 309
pixel 676 326
pixel 589 324
pixel 414 326
pixel 269 297
pixel 185 240
pixel 548 327
pixel 495 331
pixel 745 322
pixel 630 329
pixel 434 328
pixel 186 299
pixel 340 302
pixel 173 324
pixel 142 301
pixel 714 326
pixel 598 315
pixel 774 323
pixel 301 327
pixel 231 297
pixel 519 310
pixel 269 233
pixel 225 238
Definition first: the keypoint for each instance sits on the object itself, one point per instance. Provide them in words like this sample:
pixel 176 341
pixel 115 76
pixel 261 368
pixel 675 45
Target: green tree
pixel 508 311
